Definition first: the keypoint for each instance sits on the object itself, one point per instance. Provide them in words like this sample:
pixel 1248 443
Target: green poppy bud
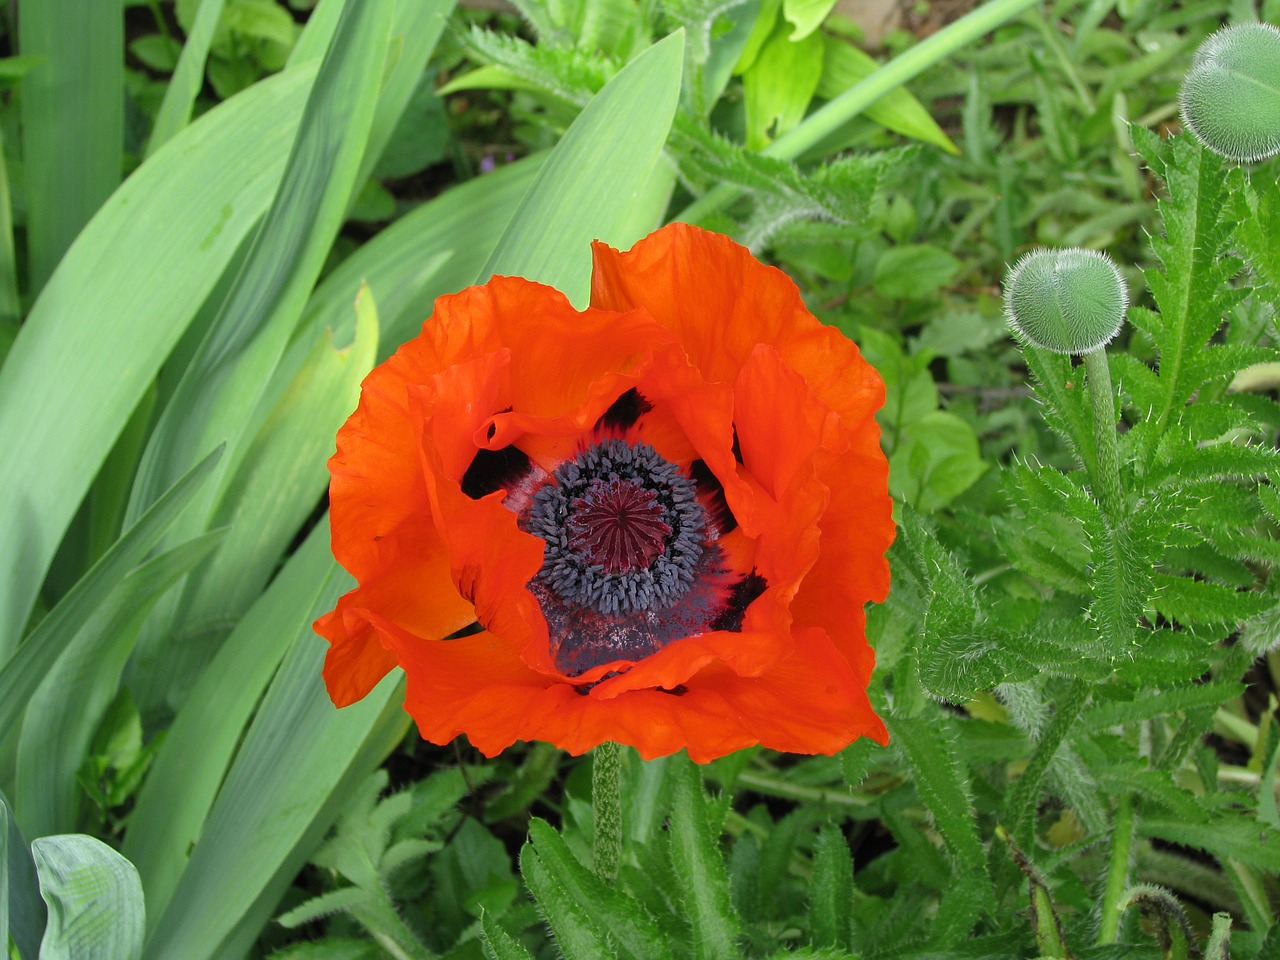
pixel 1230 98
pixel 1067 301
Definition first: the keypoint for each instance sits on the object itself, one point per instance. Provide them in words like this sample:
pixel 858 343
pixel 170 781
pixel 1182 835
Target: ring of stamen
pixel 623 529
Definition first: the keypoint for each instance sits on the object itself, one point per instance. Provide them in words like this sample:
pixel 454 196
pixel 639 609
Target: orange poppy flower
pixel 660 517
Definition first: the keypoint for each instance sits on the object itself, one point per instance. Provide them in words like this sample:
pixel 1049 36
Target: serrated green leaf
pixel 1188 600
pixel 1238 838
pixel 22 675
pixel 831 892
pixel 342 900
pixel 632 931
pixel 1111 713
pixel 576 934
pixel 700 869
pixel 929 746
pixel 94 900
pixel 588 186
pixel 498 944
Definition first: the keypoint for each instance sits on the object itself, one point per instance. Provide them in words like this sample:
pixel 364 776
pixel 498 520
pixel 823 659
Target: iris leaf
pixel 188 77
pixel 589 185
pixel 124 294
pixel 22 675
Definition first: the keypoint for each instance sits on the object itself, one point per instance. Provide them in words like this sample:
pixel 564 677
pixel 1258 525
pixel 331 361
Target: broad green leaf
pixel 806 15
pixel 124 294
pixel 94 900
pixel 176 797
pixel 22 675
pixel 914 271
pixel 929 747
pixel 54 740
pixel 299 762
pixel 634 933
pixel 935 460
pixel 72 122
pixel 188 77
pixel 587 188
pixel 435 249
pixel 699 867
pixel 779 85
pixel 831 891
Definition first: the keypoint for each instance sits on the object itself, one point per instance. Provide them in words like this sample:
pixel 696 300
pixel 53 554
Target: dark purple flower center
pixel 623 529
pixel 617 525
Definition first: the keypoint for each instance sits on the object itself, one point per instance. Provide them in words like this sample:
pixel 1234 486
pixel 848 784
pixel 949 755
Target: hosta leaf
pixel 94 900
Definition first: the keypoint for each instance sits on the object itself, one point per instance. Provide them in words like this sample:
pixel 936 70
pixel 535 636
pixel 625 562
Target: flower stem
pixel 1117 872
pixel 1107 480
pixel 836 113
pixel 606 802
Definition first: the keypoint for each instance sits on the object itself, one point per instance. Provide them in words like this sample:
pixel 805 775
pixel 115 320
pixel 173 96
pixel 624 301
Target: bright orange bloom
pixel 665 513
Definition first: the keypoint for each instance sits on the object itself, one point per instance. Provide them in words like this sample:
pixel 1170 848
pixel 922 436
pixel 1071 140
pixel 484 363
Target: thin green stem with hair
pixel 1106 482
pixel 606 802
pixel 836 113
pixel 1117 872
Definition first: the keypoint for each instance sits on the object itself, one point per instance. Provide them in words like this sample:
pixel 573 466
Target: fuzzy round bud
pixel 1230 98
pixel 1067 301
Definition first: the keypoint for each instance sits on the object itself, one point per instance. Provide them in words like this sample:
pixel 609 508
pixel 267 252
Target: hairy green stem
pixel 1107 479
pixel 1117 872
pixel 606 802
pixel 836 113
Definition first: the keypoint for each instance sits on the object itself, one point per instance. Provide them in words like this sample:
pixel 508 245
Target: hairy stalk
pixel 1107 481
pixel 825 121
pixel 1117 872
pixel 606 801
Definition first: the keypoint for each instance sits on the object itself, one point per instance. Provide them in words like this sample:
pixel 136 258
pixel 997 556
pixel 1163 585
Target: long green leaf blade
pixel 188 76
pixel 123 295
pixel 54 739
pixel 20 677
pixel 588 186
pixel 699 865
pixel 72 121
pixel 27 912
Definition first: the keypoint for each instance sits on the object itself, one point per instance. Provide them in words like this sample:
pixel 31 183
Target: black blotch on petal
pixel 625 411
pixel 711 495
pixel 740 597
pixel 493 470
pixel 737 446
pixel 470 630
pixel 679 690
